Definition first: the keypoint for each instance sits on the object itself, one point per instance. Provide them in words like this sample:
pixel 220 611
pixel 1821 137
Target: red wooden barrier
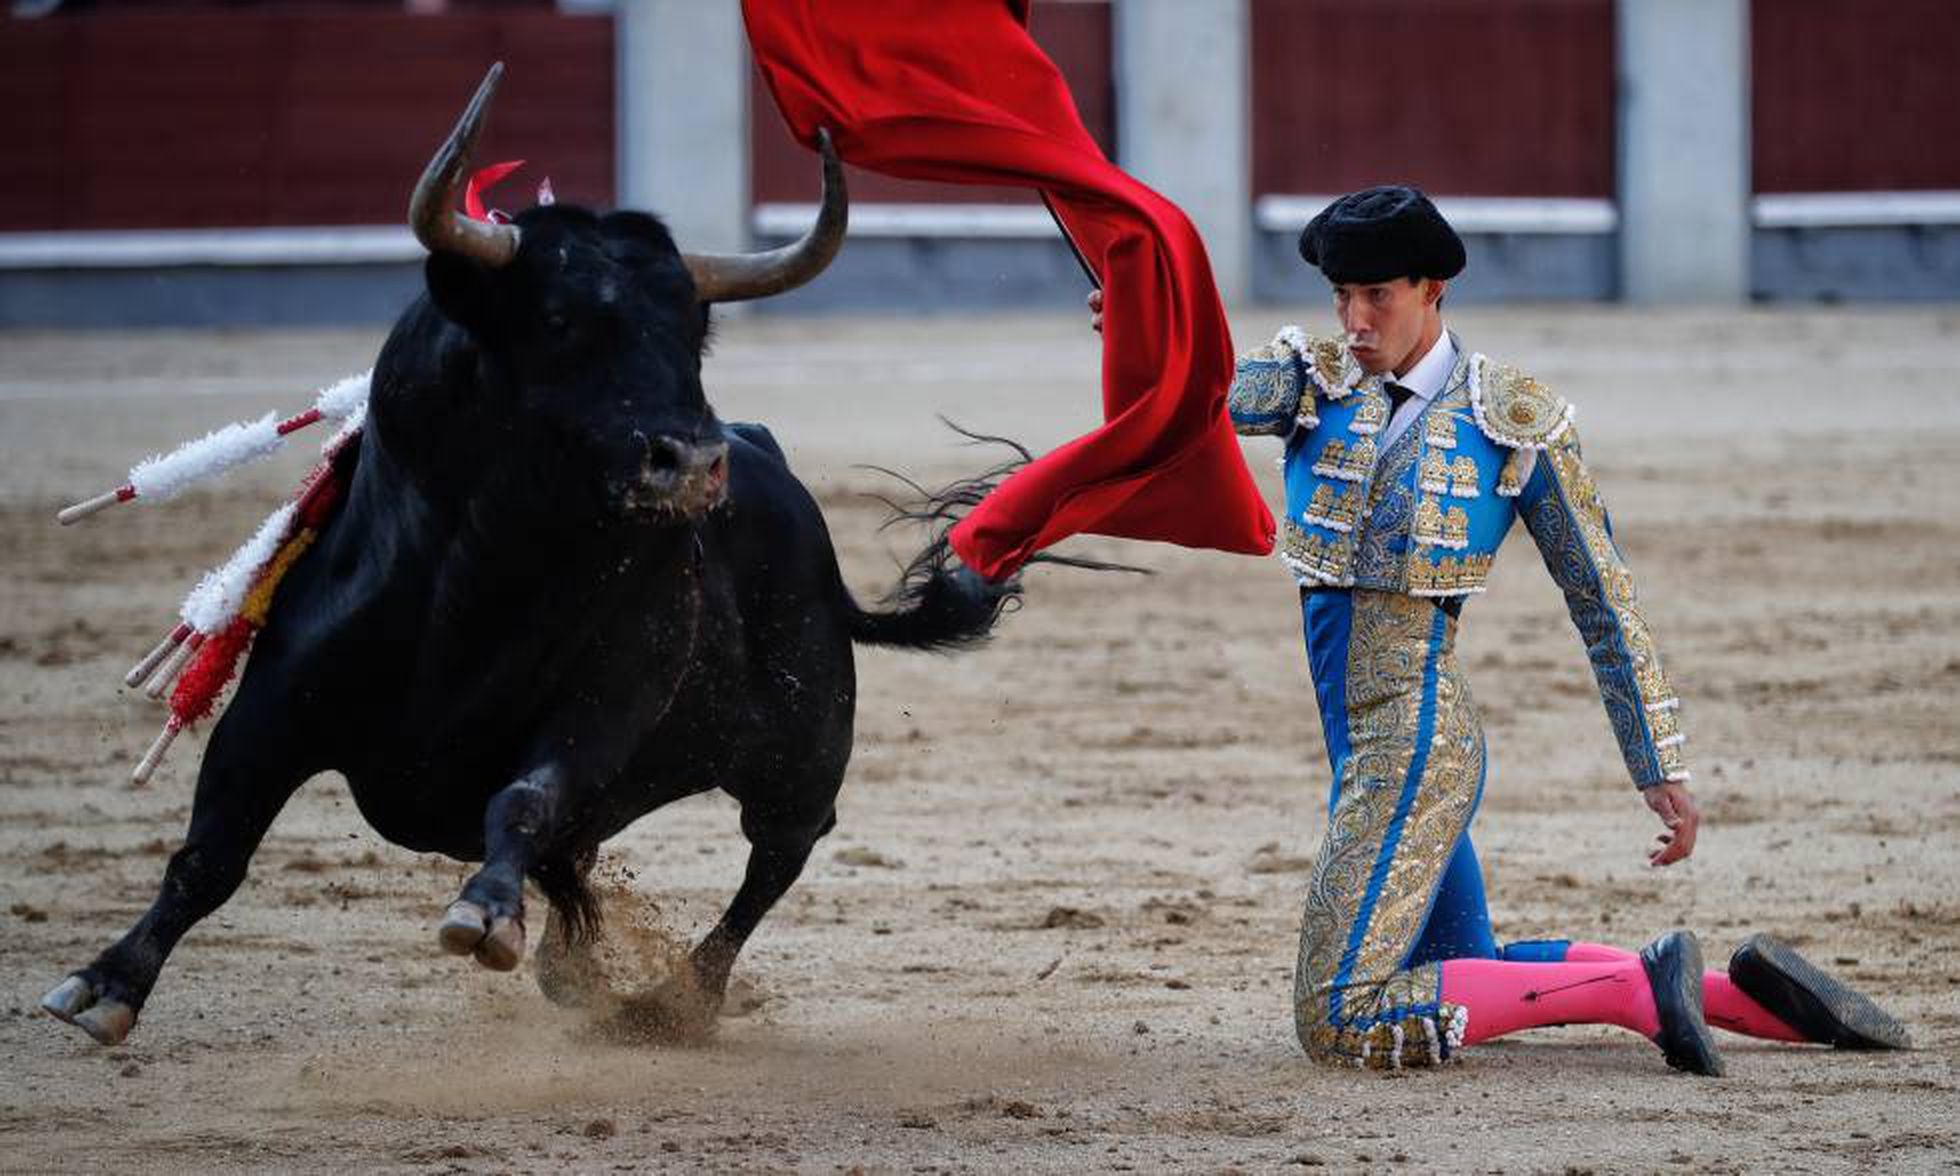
pixel 200 117
pixel 1851 95
pixel 1463 97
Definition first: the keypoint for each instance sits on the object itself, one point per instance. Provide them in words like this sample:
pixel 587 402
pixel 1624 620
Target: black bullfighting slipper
pixel 1673 965
pixel 1811 1000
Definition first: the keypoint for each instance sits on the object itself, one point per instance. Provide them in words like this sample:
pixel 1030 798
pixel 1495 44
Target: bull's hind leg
pixel 568 974
pixel 251 768
pixel 778 851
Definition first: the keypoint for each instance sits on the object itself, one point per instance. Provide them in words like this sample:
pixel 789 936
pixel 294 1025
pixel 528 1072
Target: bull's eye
pixel 557 324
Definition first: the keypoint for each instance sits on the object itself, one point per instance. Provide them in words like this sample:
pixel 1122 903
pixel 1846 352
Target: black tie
pixel 1397 396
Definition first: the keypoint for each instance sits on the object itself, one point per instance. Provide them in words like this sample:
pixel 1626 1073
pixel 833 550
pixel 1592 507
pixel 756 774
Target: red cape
pixel 957 91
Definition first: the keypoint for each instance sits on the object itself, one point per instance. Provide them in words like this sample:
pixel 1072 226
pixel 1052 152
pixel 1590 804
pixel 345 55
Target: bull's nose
pixel 665 460
pixel 676 476
pixel 662 457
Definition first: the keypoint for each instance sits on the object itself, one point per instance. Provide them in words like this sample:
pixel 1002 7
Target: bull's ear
pixel 459 287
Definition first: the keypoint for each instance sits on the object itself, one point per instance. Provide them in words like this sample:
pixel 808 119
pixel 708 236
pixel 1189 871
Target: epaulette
pixel 1331 367
pixel 1514 409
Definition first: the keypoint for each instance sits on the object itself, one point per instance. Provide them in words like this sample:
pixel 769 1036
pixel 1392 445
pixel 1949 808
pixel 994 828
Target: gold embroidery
pixel 1463 477
pixel 1510 479
pixel 1518 411
pixel 1322 504
pixel 1618 598
pixel 1435 472
pixel 1335 512
pixel 1664 721
pixel 1428 524
pixel 1326 561
pixel 1456 529
pixel 1332 462
pixel 1371 414
pixel 1377 1013
pixel 1348 463
pixel 1450 575
pixel 1361 459
pixel 1436 527
pixel 1265 385
pixel 1330 362
pixel 1439 430
pixel 1335 371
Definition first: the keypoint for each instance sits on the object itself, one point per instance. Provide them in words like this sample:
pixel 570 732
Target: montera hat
pixel 1380 234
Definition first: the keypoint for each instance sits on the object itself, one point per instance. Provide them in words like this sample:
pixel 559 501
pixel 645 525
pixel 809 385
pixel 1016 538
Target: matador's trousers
pixel 1396 885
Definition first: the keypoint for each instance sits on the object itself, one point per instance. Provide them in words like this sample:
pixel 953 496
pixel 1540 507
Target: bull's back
pixel 771 525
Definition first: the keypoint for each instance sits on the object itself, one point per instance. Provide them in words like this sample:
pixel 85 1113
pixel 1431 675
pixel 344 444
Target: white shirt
pixel 1426 381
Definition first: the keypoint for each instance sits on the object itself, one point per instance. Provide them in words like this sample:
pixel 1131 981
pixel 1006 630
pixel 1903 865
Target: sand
pixel 1055 927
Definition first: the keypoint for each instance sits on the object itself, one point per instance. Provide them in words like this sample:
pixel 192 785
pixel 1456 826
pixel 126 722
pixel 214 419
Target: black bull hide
pixel 560 594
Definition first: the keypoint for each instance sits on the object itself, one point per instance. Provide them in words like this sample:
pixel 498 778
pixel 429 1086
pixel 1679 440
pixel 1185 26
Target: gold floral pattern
pixel 1438 526
pixel 1336 372
pixel 1407 791
pixel 1568 521
pixel 1452 575
pixel 1515 472
pixel 1265 393
pixel 1435 476
pixel 1308 554
pixel 1439 430
pixel 1370 414
pixel 1336 512
pixel 1515 410
pixel 1345 462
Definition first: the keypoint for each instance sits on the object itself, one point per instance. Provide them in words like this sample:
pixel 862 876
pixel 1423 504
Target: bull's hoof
pixel 503 949
pixel 74 1000
pixel 464 925
pixel 467 929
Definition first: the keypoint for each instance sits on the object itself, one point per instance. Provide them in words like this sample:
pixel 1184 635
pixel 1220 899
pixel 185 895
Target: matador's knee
pixel 1385 1025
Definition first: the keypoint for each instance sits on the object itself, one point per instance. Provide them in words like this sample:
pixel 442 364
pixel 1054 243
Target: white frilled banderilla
pixel 228 605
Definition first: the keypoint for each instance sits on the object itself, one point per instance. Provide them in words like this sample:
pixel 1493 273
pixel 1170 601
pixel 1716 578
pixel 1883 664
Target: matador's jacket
pixel 1381 536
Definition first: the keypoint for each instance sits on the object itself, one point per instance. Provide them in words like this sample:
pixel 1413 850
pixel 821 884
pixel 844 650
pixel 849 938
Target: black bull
pixel 560 594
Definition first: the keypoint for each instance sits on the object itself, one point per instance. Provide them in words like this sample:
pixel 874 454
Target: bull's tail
pixel 938 604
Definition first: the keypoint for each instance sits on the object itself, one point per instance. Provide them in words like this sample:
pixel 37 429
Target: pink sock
pixel 1726 1006
pixel 1506 997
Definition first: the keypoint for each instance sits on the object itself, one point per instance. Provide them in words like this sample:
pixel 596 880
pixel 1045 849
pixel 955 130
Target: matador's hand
pixel 1095 311
pixel 1676 809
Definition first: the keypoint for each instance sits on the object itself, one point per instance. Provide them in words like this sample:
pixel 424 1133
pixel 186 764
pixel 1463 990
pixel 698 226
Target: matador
pixel 1407 459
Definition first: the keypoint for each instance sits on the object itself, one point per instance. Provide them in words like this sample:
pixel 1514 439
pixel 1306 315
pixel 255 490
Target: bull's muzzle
pixel 677 479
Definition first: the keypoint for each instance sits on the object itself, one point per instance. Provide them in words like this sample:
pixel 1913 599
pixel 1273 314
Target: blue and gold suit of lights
pixel 1379 537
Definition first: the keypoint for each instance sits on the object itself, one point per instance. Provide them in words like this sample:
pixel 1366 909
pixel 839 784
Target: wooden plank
pixel 1468 97
pixel 306 116
pixel 1847 96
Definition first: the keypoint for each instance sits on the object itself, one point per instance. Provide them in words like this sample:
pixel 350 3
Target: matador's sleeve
pixel 1562 509
pixel 1268 385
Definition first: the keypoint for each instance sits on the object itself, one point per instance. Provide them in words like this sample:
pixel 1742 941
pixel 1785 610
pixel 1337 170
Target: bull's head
pixel 593 326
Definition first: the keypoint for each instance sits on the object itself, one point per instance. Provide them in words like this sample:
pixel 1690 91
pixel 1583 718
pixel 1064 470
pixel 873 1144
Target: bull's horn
pixel 432 211
pixel 732 277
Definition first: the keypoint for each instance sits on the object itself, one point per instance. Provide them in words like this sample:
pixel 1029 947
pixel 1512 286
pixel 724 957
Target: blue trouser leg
pixel 1459 922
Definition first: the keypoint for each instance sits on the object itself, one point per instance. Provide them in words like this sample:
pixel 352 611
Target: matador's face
pixel 1386 322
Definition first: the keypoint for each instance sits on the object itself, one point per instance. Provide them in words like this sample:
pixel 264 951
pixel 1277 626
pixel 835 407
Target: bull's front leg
pixel 487 921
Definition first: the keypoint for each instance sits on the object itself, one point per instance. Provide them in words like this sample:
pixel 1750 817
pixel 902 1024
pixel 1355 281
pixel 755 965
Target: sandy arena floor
pixel 1054 930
